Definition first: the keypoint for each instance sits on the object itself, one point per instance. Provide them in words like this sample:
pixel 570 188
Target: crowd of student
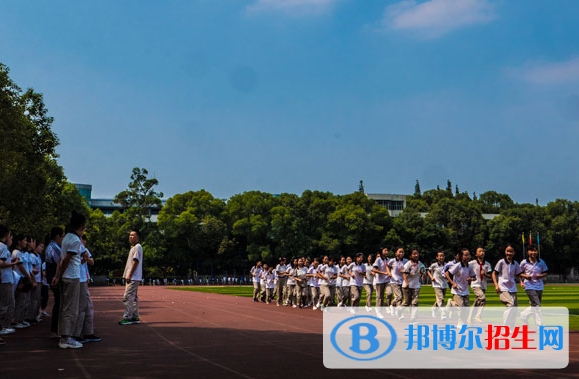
pixel 29 267
pixel 396 282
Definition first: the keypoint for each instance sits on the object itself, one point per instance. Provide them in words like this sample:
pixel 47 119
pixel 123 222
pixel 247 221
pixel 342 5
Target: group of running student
pixel 396 282
pixel 26 277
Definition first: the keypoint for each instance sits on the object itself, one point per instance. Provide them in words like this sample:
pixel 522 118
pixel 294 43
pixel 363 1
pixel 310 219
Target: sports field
pixel 554 295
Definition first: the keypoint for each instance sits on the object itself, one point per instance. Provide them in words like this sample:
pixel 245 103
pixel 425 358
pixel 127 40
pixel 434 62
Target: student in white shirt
pixel 459 275
pixel 414 273
pixel 68 275
pixel 281 288
pixel 533 271
pixel 7 282
pixel 291 282
pixel 396 266
pixel 343 282
pixel 35 294
pixel 324 285
pixel 256 277
pixel 382 281
pixel 329 276
pixel 52 258
pixel 483 271
pixel 308 265
pixel 262 285
pixel 301 277
pixel 22 281
pixel 368 281
pixel 504 277
pixel 439 284
pixel 451 304
pixel 314 283
pixel 269 284
pixel 357 272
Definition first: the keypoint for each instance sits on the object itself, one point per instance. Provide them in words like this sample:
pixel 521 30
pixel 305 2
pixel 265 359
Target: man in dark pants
pixel 52 254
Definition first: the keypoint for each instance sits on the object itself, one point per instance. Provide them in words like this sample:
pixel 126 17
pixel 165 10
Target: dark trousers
pixel 43 297
pixel 55 309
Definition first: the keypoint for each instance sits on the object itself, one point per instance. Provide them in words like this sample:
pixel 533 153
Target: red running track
pixel 199 335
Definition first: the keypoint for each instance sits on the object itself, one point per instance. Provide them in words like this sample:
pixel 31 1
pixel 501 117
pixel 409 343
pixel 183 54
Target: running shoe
pixel 69 343
pixel 136 320
pixel 91 338
pixel 126 321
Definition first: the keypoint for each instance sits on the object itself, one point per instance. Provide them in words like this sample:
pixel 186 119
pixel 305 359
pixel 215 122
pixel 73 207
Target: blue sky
pixel 288 95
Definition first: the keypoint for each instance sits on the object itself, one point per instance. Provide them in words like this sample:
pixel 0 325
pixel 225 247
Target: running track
pixel 198 335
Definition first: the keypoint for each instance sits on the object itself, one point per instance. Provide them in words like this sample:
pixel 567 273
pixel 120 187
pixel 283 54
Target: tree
pixel 140 197
pixel 417 191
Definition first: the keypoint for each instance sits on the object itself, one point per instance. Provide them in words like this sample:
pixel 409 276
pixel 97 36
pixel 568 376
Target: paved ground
pixel 189 334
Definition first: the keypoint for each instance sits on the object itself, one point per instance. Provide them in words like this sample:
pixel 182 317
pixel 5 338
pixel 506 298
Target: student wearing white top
pixel 35 293
pixel 22 281
pixel 324 285
pixel 329 276
pixel 262 285
pixel 256 278
pixel 68 275
pixel 534 270
pixel 314 283
pixel 483 271
pixel 308 265
pixel 504 277
pixel 368 281
pixel 382 281
pixel 291 282
pixel 450 304
pixel 269 284
pixel 343 282
pixel 301 276
pixel 396 266
pixel 52 258
pixel 439 284
pixel 7 282
pixel 133 276
pixel 414 272
pixel 357 272
pixel 281 285
pixel 84 329
pixel 459 275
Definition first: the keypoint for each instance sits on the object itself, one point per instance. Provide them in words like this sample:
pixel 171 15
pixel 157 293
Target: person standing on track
pixel 382 281
pixel 396 266
pixel 133 276
pixel 314 283
pixel 52 257
pixel 369 281
pixel 280 273
pixel 357 272
pixel 6 283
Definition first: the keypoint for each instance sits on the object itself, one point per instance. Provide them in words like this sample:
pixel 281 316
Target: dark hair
pixel 17 239
pixel 83 237
pixel 55 232
pixel 4 230
pixel 532 247
pixel 330 259
pixel 77 221
pixel 137 232
pixel 360 255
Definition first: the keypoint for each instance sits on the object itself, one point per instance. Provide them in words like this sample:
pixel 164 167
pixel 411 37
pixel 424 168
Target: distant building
pixel 394 203
pixel 108 206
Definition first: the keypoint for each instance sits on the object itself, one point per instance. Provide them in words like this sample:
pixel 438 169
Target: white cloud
pixel 434 18
pixel 549 72
pixel 292 7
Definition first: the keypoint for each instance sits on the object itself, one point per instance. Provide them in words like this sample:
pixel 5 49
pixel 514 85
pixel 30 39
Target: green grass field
pixel 554 296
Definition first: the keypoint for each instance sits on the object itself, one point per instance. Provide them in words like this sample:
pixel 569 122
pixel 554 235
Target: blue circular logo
pixel 377 331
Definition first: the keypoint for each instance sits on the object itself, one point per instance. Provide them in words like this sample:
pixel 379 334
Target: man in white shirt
pixel 534 270
pixel 256 272
pixel 504 277
pixel 483 271
pixel 133 276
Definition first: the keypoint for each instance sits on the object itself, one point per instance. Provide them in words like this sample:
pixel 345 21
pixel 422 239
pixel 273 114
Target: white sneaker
pixel 294 306
pixel 315 308
pixel 401 317
pixel 368 309
pixel 26 324
pixel 19 326
pixel 433 312
pixel 388 310
pixel 353 310
pixel 379 315
pixel 339 304
pixel 5 331
pixel 69 343
pixel 443 317
pixel 45 314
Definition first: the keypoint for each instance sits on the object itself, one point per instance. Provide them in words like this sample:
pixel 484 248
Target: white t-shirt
pixel 413 272
pixel 437 271
pixel 479 269
pixel 6 257
pixel 460 275
pixel 332 274
pixel 343 282
pixel 280 270
pixel 269 279
pixel 396 269
pixel 24 262
pixel 136 253
pixel 291 279
pixel 507 274
pixel 537 268
pixel 71 245
pixel 84 274
pixel 357 279
pixel 322 270
pixel 369 277
pixel 313 282
pixel 380 265
pixel 256 274
pixel 36 263
pixel 44 282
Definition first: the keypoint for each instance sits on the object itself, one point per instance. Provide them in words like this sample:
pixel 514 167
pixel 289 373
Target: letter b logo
pixel 370 336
